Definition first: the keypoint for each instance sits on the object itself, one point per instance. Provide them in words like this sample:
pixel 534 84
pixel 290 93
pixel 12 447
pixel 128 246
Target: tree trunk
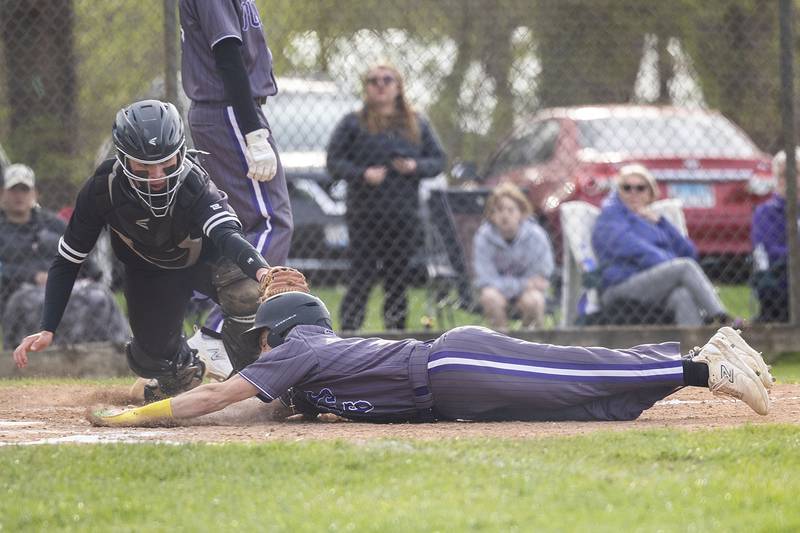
pixel 41 87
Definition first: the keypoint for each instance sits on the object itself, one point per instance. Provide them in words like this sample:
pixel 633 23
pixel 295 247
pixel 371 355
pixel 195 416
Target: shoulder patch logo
pixel 142 223
pixel 216 207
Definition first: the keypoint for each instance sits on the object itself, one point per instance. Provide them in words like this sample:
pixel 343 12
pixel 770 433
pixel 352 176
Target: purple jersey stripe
pixel 672 377
pixel 550 364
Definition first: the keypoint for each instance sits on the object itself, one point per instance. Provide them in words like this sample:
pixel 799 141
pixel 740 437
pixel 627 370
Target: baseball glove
pixel 282 279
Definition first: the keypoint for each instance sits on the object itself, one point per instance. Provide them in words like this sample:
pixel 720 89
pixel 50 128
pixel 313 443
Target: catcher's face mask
pixel 155 183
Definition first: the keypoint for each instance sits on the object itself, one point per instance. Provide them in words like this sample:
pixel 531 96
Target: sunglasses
pixel 638 188
pixel 380 80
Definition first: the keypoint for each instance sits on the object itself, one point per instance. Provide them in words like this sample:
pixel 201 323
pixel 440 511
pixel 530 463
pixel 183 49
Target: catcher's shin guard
pixel 169 377
pixel 237 294
pixel 242 349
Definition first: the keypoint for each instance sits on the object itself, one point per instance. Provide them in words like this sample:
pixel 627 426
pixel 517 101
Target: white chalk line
pixel 689 402
pixel 124 437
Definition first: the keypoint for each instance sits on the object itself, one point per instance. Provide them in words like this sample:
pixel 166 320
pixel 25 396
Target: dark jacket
pixel 352 149
pixel 626 244
pixel 26 249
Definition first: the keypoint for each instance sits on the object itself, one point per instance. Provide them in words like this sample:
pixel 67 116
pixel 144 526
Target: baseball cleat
pixel 729 375
pixel 212 352
pixel 729 337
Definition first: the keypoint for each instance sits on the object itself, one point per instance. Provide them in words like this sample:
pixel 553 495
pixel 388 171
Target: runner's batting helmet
pixel 284 311
pixel 151 132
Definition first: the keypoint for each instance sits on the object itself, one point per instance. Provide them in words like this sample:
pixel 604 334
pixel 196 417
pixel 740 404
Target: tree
pixel 41 85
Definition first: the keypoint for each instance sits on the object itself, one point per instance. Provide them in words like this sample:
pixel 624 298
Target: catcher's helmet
pixel 151 132
pixel 284 311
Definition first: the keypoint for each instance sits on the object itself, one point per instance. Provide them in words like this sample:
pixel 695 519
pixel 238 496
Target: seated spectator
pixel 28 241
pixel 513 259
pixel 770 248
pixel 645 259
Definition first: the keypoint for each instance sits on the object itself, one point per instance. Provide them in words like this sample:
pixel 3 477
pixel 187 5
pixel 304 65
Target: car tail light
pixel 596 185
pixel 760 184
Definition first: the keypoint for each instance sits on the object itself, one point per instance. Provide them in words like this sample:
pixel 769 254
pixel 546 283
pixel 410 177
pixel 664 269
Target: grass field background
pixel 422 311
pixel 730 480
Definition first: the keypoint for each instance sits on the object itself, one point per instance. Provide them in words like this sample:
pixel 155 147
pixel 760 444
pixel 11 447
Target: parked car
pixel 302 116
pixel 696 155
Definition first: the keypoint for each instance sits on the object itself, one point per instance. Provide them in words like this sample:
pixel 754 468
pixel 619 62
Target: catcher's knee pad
pixel 181 372
pixel 242 350
pixel 238 295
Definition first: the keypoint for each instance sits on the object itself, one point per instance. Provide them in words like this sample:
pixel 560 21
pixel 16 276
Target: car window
pixel 303 122
pixel 699 135
pixel 531 146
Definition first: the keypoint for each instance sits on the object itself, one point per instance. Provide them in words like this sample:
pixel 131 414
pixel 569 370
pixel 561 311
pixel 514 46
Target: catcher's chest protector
pixel 168 242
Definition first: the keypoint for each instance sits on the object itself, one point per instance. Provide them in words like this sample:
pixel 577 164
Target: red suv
pixel 696 155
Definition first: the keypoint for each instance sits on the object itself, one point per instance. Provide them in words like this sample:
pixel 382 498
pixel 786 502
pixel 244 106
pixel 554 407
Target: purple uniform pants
pixel 262 207
pixel 478 374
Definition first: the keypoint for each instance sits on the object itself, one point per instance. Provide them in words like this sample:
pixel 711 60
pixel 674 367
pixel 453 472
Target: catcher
pixel 467 373
pixel 175 233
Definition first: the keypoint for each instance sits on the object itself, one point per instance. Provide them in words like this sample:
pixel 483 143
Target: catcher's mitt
pixel 282 279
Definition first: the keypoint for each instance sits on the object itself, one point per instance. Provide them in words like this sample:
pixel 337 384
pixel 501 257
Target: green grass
pixel 38 382
pixel 786 368
pixel 422 313
pixel 731 480
pixel 736 298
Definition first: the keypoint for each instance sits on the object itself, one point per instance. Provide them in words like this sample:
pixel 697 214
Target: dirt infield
pixel 35 415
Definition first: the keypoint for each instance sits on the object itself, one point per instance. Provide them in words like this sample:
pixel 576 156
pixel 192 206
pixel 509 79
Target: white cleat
pixel 729 337
pixel 212 352
pixel 729 375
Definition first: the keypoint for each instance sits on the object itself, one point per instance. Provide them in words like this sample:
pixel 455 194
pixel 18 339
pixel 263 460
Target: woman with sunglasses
pixel 382 151
pixel 644 258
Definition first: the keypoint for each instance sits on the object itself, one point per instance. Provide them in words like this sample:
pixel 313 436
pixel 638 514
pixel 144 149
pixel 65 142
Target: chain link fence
pixel 552 97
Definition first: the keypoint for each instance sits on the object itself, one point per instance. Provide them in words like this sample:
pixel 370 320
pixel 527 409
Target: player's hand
pixel 31 343
pixel 404 165
pixel 40 278
pixel 262 163
pixel 375 175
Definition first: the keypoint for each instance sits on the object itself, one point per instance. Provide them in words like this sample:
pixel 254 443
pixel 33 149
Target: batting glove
pixel 262 163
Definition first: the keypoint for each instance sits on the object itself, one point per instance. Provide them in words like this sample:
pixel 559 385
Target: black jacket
pixel 352 149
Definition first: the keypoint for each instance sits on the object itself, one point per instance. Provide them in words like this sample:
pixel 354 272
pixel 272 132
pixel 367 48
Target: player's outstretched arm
pixel 202 400
pixel 31 343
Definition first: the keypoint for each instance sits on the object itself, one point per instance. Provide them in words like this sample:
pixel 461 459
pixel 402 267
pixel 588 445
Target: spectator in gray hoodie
pixel 512 260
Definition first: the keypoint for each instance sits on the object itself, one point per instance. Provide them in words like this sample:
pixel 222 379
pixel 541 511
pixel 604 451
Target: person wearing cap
pixel 28 233
pixel 29 237
pixel 644 258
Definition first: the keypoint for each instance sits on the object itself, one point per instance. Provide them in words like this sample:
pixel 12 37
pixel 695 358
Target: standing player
pixel 227 73
pixel 467 373
pixel 174 232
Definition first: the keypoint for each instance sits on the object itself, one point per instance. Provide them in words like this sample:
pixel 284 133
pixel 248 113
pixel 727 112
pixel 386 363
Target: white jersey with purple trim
pixel 204 23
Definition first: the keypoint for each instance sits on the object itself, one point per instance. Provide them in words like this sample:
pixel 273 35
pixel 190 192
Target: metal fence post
pixel 787 115
pixel 171 52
